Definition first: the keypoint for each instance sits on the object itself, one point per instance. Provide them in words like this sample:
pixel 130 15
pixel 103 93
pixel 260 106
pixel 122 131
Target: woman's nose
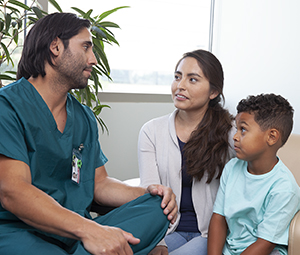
pixel 181 84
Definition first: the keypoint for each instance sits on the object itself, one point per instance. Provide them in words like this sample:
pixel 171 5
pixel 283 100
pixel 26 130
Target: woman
pixel 188 149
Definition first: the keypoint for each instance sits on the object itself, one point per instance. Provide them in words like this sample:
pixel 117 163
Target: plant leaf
pixel 88 14
pixel 108 24
pixel 82 13
pixel 32 19
pixel 11 72
pixel 7 55
pixel 98 31
pixel 15 2
pixel 105 14
pixel 7 22
pixel 16 35
pixel 13 9
pixel 103 58
pixel 56 5
pixel 7 77
pixel 38 12
pixel 1 25
pixel 20 23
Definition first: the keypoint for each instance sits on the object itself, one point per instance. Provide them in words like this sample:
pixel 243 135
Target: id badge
pixel 76 164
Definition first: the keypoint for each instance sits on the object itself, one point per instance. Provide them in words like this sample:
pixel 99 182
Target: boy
pixel 258 196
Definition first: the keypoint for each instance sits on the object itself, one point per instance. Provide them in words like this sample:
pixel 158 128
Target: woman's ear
pixel 273 137
pixel 213 94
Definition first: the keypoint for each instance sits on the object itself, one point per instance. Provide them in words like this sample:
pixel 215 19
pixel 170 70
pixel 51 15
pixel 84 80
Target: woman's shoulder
pixel 159 121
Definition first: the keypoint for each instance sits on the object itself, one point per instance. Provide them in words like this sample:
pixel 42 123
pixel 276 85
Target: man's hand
pixel 104 240
pixel 159 250
pixel 168 200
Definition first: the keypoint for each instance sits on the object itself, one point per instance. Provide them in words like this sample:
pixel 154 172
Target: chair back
pixel 290 155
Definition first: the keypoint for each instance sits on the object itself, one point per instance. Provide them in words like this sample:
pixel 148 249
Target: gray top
pixel 159 159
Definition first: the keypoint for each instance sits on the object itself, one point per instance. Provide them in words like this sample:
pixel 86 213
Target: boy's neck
pixel 262 167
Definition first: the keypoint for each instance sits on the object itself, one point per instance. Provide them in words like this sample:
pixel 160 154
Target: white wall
pixel 258 44
pixel 124 121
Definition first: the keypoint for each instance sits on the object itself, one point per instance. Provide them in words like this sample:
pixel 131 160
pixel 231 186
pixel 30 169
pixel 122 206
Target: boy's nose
pixel 235 137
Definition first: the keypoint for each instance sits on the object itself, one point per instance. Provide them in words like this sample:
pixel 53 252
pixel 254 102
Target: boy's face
pixel 250 142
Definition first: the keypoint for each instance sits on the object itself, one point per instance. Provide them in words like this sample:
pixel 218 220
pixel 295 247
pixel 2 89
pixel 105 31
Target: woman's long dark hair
pixel 208 147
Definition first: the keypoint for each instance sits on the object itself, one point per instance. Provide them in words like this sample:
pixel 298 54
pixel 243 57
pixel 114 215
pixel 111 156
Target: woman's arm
pixel 147 159
pixel 216 234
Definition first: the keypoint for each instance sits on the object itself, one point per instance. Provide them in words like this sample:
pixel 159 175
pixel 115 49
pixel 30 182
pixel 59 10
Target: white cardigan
pixel 159 159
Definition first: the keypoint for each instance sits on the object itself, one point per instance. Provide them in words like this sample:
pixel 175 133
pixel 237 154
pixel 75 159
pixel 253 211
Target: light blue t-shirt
pixel 256 206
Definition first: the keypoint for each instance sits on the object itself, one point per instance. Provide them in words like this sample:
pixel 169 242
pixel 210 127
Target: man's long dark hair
pixel 207 149
pixel 36 48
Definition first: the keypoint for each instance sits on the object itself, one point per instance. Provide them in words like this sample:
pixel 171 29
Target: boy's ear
pixel 273 137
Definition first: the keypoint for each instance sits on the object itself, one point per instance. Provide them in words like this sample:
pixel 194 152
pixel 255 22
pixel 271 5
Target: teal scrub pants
pixel 143 217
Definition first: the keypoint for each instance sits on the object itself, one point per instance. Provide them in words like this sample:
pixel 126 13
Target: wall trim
pixel 134 97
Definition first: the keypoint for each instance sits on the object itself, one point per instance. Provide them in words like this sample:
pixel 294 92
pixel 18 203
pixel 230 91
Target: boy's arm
pixel 216 234
pixel 261 247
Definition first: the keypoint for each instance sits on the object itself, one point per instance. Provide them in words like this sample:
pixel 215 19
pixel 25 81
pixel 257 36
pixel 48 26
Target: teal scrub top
pixel 29 133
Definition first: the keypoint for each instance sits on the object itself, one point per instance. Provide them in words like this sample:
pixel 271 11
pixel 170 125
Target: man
pixel 51 163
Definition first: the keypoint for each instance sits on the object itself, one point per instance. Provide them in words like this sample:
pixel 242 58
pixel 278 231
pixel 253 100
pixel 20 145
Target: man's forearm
pixel 41 211
pixel 112 192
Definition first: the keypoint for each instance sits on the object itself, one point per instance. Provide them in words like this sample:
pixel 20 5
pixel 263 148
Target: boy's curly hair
pixel 270 111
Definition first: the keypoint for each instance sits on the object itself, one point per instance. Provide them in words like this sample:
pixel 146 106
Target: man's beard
pixel 70 71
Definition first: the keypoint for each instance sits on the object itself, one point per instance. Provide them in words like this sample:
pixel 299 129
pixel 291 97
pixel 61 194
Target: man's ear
pixel 56 47
pixel 273 137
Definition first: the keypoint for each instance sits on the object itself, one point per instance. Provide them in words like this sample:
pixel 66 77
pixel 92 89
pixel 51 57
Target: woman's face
pixel 190 88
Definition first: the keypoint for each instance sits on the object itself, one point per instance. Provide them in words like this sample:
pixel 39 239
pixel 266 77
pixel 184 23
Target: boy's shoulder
pixel 279 178
pixel 234 164
pixel 285 178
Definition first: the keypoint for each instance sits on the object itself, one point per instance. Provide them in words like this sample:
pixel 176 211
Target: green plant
pixel 15 17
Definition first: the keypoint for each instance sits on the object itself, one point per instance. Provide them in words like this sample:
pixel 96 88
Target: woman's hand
pixel 168 200
pixel 159 250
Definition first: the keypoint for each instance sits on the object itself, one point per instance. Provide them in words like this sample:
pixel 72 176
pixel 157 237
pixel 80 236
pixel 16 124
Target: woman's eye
pixel 193 80
pixel 176 77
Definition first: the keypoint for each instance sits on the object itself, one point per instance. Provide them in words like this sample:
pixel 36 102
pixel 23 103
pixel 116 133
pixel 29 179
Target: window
pixel 153 36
